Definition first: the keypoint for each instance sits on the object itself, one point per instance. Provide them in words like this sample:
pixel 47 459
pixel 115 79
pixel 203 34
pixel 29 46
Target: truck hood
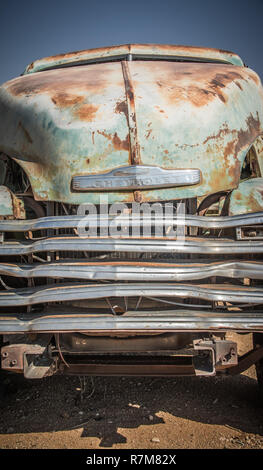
pixel 91 119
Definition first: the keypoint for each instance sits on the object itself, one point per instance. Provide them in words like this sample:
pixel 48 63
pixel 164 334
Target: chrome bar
pixel 177 320
pixel 136 177
pixel 69 292
pixel 73 221
pixel 134 271
pixel 134 245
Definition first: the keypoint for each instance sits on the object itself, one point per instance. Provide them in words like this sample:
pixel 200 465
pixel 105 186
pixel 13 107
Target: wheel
pixel 258 341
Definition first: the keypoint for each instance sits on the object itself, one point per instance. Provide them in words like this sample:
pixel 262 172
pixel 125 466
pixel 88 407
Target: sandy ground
pixel 134 413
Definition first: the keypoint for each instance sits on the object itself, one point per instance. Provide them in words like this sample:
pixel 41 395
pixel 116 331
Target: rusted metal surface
pixel 33 359
pixel 80 126
pixel 218 353
pixel 91 119
pixel 12 356
pixel 118 125
pixel 254 232
pixel 223 353
pixel 11 207
pixel 28 356
pixel 154 50
pixel 139 322
pixel 159 344
pixel 135 156
pixel 202 359
pixel 246 361
pixel 190 113
pixel 124 369
pixel 248 197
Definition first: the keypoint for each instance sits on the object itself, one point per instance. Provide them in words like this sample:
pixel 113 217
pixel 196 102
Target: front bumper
pixel 182 320
pixel 224 301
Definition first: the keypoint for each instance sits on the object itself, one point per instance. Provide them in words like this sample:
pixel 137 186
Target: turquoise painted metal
pixel 144 50
pixel 10 206
pixel 248 197
pixel 6 202
pixel 202 112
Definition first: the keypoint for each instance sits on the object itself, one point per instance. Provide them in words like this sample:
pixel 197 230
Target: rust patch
pixel 254 77
pixel 219 178
pixel 239 85
pixel 26 133
pixel 122 107
pixel 222 97
pixel 30 66
pixel 64 55
pixel 92 79
pixel 234 172
pixel 243 138
pixel 197 96
pixel 253 204
pixel 248 136
pixel 107 136
pixel 135 157
pixel 117 143
pixel 64 100
pixel 196 83
pixel 86 112
pixel 222 79
pixel 155 49
pixel 229 150
pixel 245 198
pixel 221 133
pixel 137 196
pixel 148 133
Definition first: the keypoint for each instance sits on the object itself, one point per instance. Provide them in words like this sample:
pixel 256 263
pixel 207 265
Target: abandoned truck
pixel 149 129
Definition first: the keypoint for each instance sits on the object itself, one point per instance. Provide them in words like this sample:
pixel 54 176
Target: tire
pixel 258 341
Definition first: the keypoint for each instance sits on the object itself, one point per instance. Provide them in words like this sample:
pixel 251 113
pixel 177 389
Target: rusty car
pixel 137 126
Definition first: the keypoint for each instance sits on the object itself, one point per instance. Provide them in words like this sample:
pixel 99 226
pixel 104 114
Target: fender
pixel 11 207
pixel 248 197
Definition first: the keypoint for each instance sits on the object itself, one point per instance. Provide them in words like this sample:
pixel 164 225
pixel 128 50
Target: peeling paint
pixel 91 119
pixel 204 53
pixel 248 197
pixel 10 206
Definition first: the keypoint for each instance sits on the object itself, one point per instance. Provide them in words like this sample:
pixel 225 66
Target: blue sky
pixel 32 29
